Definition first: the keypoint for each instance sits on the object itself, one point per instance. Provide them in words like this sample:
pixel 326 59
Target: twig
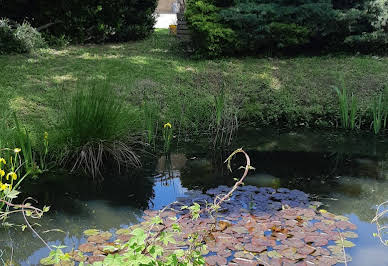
pixel 29 225
pixel 343 248
pixel 376 219
pixel 216 204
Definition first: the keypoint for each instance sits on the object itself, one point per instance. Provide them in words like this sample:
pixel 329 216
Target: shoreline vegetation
pixel 125 93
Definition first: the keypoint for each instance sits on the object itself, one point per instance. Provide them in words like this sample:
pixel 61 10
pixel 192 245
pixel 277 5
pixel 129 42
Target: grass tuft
pixel 96 129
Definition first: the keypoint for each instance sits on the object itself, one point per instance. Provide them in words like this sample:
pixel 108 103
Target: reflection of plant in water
pixel 382 226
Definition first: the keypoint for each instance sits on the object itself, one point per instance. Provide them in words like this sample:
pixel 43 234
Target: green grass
pixel 287 91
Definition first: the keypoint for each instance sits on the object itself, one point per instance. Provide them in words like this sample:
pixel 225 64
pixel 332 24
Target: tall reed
pixel 25 143
pixel 378 112
pixel 150 121
pixel 348 108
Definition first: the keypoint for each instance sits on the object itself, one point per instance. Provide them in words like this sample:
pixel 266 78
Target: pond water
pixel 348 174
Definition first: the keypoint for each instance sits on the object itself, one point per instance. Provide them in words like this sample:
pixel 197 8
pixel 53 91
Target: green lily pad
pixel 123 231
pixel 274 254
pixel 91 232
pixel 349 234
pixel 345 243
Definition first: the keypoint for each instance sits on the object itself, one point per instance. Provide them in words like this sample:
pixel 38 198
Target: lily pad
pixel 123 231
pixel 87 247
pixel 274 254
pixel 349 234
pixel 215 260
pixel 91 232
pixel 345 243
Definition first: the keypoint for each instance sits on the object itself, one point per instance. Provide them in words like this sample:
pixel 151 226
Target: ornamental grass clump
pixel 96 130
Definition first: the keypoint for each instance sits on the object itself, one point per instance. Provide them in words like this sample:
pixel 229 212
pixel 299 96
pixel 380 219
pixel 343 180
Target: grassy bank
pixel 287 91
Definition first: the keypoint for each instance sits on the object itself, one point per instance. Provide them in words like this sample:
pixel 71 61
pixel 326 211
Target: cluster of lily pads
pixel 256 226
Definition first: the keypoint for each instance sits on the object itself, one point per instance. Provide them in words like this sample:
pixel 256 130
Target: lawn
pixel 278 91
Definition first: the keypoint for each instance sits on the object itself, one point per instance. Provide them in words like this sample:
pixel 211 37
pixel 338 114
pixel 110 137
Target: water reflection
pixel 349 177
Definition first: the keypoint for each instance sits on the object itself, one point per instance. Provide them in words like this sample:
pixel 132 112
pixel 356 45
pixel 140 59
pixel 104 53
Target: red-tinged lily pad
pixel 325 261
pixel 292 242
pixel 77 256
pixel 123 238
pixel 343 225
pixel 306 250
pixel 239 229
pixel 98 252
pixel 319 251
pixel 215 260
pixel 93 259
pixel 245 262
pixel 100 238
pixel 263 241
pixel 87 247
pixel 254 248
pixel 244 254
pixel 291 253
pixel 317 241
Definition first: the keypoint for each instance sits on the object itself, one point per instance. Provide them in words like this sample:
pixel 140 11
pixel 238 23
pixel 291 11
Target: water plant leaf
pixel 345 243
pixel 91 232
pixel 215 260
pixel 274 254
pixel 349 234
pixel 123 231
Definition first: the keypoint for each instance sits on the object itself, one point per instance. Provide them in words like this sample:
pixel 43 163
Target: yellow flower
pixel 45 135
pixel 2 160
pixel 2 173
pixel 17 150
pixel 2 186
pixel 13 175
pixel 167 125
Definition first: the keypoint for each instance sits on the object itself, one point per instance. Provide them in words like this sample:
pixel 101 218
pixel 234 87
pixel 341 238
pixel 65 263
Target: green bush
pixel 87 20
pixel 288 26
pixel 210 36
pixel 19 38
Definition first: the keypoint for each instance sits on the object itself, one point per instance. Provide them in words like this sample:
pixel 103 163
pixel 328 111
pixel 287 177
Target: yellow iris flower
pixel 2 186
pixel 45 135
pixel 13 175
pixel 2 173
pixel 17 150
pixel 167 125
pixel 2 160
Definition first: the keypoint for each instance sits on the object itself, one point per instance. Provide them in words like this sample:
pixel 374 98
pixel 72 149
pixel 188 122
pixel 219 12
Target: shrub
pixel 87 20
pixel 19 38
pixel 210 36
pixel 266 25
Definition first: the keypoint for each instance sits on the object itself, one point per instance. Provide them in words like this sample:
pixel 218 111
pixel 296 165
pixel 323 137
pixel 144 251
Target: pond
pixel 348 174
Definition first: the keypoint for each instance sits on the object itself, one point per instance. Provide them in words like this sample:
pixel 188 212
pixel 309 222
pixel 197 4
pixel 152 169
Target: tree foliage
pixel 86 20
pixel 285 25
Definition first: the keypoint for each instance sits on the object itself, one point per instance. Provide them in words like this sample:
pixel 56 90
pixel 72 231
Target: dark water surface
pixel 348 174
